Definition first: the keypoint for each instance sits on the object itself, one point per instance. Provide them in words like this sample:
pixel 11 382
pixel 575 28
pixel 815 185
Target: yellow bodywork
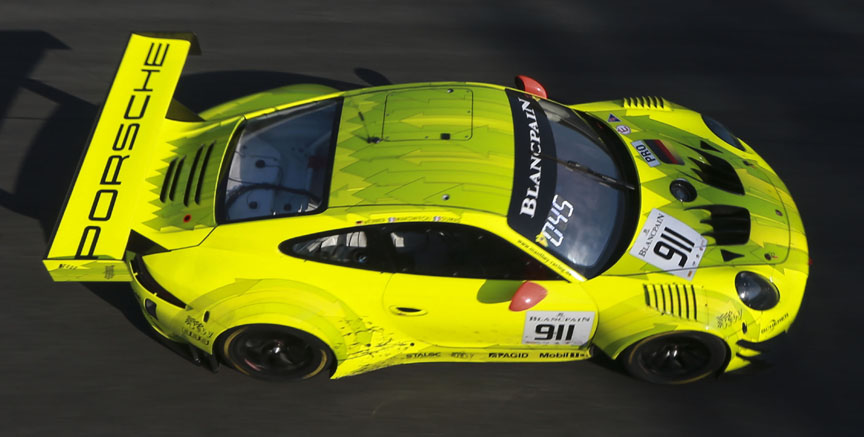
pixel 228 275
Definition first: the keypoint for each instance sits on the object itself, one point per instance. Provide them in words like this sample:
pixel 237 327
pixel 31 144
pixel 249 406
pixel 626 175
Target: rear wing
pixel 89 243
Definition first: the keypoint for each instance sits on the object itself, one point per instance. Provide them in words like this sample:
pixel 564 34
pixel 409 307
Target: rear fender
pixel 278 302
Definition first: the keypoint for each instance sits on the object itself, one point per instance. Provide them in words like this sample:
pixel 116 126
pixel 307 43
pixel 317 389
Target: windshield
pixel 281 164
pixel 573 214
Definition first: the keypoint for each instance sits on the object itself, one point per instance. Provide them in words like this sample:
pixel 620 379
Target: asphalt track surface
pixel 784 75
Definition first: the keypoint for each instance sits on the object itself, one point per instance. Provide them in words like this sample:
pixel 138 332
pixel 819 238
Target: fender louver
pixel 717 172
pixel 673 299
pixel 194 179
pixel 731 224
pixel 647 102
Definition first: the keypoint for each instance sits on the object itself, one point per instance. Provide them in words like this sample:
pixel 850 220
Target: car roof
pixel 446 144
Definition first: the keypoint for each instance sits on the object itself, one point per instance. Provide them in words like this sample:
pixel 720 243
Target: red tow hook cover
pixel 530 85
pixel 528 295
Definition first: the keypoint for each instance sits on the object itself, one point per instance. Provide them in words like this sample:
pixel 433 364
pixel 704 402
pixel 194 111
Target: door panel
pixel 460 312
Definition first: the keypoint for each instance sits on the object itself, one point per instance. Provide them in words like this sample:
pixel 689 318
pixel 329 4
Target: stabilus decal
pixel 534 171
pixel 127 132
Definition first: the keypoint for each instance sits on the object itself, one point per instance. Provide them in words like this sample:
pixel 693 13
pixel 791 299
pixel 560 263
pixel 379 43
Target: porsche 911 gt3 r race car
pixel 306 230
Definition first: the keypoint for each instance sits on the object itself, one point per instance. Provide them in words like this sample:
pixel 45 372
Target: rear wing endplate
pixel 89 243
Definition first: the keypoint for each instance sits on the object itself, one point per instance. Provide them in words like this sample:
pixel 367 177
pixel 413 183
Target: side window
pixel 442 249
pixel 350 248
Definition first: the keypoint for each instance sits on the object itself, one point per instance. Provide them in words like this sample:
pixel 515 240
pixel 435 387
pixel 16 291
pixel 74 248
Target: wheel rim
pixel 274 353
pixel 677 358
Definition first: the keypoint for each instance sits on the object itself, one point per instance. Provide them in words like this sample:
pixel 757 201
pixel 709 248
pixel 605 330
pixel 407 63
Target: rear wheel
pixel 274 352
pixel 675 357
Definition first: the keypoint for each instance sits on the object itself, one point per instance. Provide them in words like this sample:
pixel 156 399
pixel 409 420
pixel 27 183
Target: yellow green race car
pixel 306 230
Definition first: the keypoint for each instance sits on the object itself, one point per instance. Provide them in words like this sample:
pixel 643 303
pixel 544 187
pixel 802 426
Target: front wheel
pixel 274 352
pixel 675 357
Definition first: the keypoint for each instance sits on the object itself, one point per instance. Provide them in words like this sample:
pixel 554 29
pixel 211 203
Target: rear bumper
pixel 161 309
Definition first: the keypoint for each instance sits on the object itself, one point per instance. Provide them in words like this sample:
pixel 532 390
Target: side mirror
pixel 528 295
pixel 531 86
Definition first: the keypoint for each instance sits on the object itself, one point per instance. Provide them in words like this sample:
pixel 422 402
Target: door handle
pixel 407 311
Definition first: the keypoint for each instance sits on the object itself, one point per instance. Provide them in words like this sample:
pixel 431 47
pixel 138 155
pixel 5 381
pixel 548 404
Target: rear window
pixel 282 163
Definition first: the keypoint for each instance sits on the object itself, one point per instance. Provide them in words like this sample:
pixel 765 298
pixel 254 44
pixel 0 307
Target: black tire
pixel 274 353
pixel 675 357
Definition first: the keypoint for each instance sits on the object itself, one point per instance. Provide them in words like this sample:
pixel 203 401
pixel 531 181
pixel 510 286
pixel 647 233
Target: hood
pixel 703 202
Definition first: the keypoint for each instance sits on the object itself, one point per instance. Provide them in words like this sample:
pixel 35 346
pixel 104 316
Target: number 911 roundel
pixel 306 230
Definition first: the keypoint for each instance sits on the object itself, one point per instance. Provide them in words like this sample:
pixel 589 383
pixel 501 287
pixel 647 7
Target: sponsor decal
pixel 419 355
pixel 409 218
pixel 559 215
pixel 670 245
pixel 623 129
pixel 558 327
pixel 646 153
pixel 196 330
pixel 508 354
pixel 773 324
pixel 461 355
pixel 557 355
pixel 726 319
pixel 105 198
pixel 613 119
pixel 529 201
pixel 534 174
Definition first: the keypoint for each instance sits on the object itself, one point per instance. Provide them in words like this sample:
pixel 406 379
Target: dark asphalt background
pixel 784 75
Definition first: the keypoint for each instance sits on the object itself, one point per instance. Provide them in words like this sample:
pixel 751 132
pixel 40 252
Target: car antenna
pixel 602 178
pixel 369 138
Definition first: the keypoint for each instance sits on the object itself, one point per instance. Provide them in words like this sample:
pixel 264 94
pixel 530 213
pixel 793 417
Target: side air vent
pixel 176 179
pixel 191 178
pixel 717 172
pixel 731 224
pixel 203 172
pixel 672 299
pixel 194 180
pixel 166 184
pixel 729 255
pixel 647 102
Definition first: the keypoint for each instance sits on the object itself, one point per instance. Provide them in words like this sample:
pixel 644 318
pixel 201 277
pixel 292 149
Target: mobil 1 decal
pixel 535 167
pixel 558 327
pixel 668 244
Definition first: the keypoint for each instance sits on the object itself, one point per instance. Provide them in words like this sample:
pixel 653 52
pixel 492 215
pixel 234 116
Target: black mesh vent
pixel 193 180
pixel 717 172
pixel 646 102
pixel 166 184
pixel 731 224
pixel 673 299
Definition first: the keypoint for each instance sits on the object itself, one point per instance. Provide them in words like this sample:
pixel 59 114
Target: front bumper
pixel 764 353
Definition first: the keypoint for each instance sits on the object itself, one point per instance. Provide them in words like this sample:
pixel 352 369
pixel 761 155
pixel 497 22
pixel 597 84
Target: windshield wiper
pixel 600 177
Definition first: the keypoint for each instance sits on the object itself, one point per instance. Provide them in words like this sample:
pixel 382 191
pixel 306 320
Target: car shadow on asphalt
pixel 51 159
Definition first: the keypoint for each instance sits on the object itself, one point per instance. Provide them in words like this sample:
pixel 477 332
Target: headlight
pixel 722 132
pixel 756 292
